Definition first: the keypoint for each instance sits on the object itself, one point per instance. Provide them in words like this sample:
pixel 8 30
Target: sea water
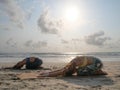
pixel 58 57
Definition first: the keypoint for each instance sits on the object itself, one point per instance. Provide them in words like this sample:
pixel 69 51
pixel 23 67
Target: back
pixel 33 65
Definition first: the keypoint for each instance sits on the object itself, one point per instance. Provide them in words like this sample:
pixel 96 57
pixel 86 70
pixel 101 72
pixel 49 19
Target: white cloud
pixel 114 45
pixel 76 40
pixel 97 39
pixel 2 27
pixel 38 44
pixel 28 43
pixel 10 42
pixel 64 41
pixel 13 11
pixel 48 24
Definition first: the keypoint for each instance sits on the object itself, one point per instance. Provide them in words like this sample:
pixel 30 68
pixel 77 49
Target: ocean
pixel 58 57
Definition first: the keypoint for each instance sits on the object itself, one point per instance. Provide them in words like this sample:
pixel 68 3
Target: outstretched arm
pixel 53 73
pixel 61 72
pixel 19 64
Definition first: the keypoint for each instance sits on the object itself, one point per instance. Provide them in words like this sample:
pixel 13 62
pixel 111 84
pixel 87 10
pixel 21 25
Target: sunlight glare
pixel 71 13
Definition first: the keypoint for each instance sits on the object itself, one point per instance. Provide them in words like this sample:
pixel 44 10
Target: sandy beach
pixel 8 80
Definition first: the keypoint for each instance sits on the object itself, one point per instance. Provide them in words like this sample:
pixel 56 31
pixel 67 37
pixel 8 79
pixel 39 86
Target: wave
pixel 69 54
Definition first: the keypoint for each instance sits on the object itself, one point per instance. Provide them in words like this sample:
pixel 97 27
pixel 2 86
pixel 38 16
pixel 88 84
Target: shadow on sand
pixel 89 80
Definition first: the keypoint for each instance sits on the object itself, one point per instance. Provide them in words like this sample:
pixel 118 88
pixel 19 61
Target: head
pixel 70 69
pixel 32 59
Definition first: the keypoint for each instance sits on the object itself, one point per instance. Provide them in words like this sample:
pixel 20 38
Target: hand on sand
pixel 43 74
pixel 100 72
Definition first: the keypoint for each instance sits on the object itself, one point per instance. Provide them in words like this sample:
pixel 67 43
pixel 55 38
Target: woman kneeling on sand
pixel 82 66
pixel 30 63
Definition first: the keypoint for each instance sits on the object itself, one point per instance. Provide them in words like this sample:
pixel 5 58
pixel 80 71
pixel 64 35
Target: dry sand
pixel 8 79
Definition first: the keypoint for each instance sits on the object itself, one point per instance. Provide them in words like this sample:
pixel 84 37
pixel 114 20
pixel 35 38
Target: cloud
pixel 10 42
pixel 64 41
pixel 13 11
pixel 3 27
pixel 30 12
pixel 114 45
pixel 38 44
pixel 97 39
pixel 28 43
pixel 48 24
pixel 76 40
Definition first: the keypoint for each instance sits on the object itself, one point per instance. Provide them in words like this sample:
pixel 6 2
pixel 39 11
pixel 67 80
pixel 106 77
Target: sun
pixel 71 13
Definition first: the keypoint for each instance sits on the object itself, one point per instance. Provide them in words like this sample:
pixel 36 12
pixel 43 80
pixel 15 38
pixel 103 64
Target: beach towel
pixel 30 75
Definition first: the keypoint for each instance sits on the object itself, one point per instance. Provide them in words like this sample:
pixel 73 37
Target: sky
pixel 59 26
